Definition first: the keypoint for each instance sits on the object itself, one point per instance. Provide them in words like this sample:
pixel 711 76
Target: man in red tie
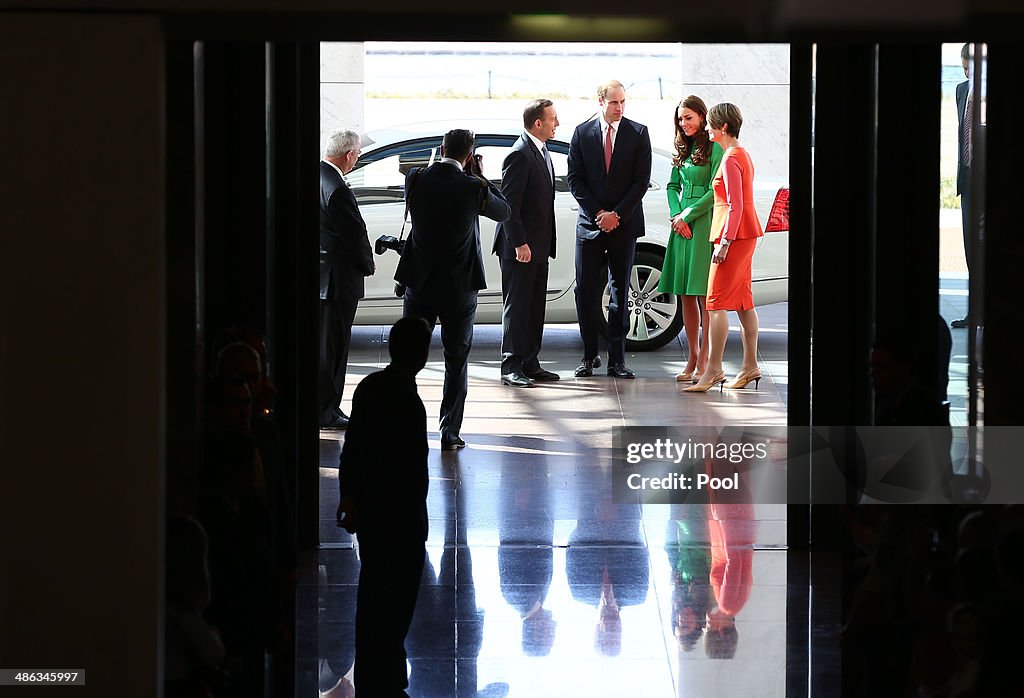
pixel 609 172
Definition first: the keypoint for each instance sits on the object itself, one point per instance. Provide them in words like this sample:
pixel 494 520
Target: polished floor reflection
pixel 539 582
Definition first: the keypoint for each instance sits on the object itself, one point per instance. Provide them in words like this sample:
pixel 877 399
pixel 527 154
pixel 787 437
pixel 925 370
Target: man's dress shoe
pixel 516 380
pixel 585 369
pixel 339 421
pixel 542 376
pixel 453 445
pixel 620 371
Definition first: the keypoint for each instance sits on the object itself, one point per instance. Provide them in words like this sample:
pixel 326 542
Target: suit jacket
pixel 442 256
pixel 622 188
pixel 345 254
pixel 528 186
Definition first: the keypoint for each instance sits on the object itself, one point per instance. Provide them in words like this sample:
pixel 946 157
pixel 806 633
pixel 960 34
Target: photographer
pixel 442 264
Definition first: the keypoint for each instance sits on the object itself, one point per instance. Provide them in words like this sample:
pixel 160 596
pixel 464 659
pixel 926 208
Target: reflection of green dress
pixel 687 262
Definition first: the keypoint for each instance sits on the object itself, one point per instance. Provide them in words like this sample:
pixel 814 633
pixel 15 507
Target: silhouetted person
pixel 193 650
pixel 233 510
pixel 264 392
pixel 383 482
pixel 228 403
pixel 242 359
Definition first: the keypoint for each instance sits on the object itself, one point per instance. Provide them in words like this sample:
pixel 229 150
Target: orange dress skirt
pixel 729 285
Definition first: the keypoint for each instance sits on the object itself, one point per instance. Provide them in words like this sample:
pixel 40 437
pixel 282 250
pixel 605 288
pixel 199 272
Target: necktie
pixel 608 148
pixel 547 162
pixel 965 151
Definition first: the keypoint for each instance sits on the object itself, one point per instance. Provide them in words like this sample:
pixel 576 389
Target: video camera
pixel 388 242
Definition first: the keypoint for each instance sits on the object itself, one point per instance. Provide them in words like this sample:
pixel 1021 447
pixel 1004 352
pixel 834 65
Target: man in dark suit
pixel 609 172
pixel 345 260
pixel 963 159
pixel 442 265
pixel 524 243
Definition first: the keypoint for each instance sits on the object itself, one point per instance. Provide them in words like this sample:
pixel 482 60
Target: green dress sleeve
pixel 703 204
pixel 674 189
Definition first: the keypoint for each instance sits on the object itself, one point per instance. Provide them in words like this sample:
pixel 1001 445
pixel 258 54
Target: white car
pixel 378 181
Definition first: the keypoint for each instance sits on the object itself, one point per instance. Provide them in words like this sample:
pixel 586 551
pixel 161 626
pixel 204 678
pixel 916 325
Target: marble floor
pixel 539 582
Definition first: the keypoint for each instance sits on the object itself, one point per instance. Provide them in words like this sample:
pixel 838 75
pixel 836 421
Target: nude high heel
pixel 744 378
pixel 718 379
pixel 685 376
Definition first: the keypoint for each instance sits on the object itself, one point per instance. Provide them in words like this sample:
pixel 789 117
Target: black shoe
pixel 453 445
pixel 597 362
pixel 542 376
pixel 516 380
pixel 585 369
pixel 959 324
pixel 339 421
pixel 620 371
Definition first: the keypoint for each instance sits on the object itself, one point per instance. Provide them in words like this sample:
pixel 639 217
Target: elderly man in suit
pixel 524 243
pixel 442 265
pixel 345 260
pixel 964 117
pixel 609 172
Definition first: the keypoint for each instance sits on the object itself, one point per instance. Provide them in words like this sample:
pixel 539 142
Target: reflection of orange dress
pixel 729 283
pixel 732 529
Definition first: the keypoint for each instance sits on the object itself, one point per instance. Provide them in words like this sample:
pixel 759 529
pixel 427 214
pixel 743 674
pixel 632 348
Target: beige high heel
pixel 685 376
pixel 718 379
pixel 744 378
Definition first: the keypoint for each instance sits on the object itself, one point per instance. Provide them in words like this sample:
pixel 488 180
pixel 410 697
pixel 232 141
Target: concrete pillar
pixel 342 84
pixel 754 77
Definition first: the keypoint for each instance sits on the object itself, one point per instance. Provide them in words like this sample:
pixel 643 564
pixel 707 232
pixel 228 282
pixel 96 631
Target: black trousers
pixel 389 581
pixel 618 251
pixel 523 293
pixel 336 317
pixel 965 211
pixel 457 314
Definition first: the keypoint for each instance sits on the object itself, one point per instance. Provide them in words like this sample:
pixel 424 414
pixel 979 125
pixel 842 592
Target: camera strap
pixel 484 184
pixel 414 173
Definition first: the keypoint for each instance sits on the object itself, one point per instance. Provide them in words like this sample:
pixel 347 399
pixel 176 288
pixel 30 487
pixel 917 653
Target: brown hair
pixel 534 111
pixel 602 89
pixel 726 114
pixel 697 147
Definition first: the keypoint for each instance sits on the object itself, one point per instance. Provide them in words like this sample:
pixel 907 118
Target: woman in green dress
pixel 690 202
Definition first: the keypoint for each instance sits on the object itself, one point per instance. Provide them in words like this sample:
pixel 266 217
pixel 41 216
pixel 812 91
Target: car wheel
pixel 655 318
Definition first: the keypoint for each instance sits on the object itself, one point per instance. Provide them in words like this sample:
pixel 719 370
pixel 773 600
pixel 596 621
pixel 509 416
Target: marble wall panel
pixel 342 105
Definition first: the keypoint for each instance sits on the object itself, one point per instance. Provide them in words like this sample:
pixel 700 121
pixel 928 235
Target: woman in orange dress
pixel 734 232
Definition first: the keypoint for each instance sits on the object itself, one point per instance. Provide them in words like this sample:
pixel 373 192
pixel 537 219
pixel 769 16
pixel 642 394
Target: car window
pixel 493 157
pixel 383 180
